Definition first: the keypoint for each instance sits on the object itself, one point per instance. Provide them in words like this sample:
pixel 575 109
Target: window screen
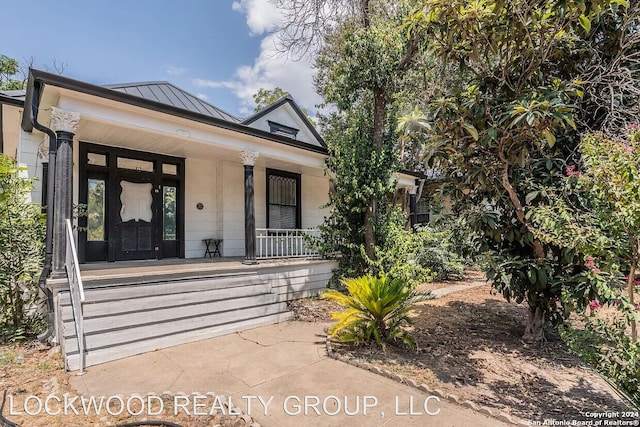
pixel 283 201
pixel 423 211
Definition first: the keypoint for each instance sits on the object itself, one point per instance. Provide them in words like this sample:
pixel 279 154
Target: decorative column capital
pixel 249 157
pixel 65 121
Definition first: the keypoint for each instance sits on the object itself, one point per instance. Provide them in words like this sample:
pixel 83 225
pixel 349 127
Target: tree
pixel 598 213
pixel 608 67
pixel 505 130
pixel 358 174
pixel 9 68
pixel 13 74
pixel 21 240
pixel 305 24
pixel 265 97
pixel 359 67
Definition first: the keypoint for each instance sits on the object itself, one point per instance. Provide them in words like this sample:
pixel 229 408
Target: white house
pixel 166 179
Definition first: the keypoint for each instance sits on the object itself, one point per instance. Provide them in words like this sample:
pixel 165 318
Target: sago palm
pixel 376 308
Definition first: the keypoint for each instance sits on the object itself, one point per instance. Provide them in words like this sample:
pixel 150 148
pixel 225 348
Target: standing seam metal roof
pixel 167 93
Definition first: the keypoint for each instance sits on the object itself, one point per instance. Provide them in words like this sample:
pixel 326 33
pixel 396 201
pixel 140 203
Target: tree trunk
pixel 533 333
pixel 379 106
pixel 513 196
pixel 630 285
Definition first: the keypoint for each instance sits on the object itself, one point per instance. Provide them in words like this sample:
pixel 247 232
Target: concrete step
pixel 123 320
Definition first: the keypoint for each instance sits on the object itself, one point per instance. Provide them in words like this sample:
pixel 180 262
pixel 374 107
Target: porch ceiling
pixel 132 138
pixel 179 145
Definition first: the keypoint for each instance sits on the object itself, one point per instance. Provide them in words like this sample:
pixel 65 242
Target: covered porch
pixel 159 173
pixel 181 182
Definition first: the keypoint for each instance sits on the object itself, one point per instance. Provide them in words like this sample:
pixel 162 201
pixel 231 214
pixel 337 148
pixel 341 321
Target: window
pixel 95 210
pixel 169 212
pixel 284 130
pixel 135 164
pixel 283 200
pixel 169 169
pixel 96 159
pixel 423 211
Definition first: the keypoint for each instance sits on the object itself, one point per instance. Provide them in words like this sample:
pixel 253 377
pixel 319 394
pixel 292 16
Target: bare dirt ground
pixel 469 345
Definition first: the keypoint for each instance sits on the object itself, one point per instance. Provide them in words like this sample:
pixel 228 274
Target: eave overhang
pixel 38 78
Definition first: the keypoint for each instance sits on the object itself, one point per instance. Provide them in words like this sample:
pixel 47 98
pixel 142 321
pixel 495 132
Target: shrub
pixel 21 240
pixel 463 238
pixel 376 309
pixel 608 348
pixel 436 252
pixel 398 256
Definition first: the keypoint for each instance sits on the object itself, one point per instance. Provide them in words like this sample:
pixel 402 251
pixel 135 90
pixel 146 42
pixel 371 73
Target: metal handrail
pixel 76 290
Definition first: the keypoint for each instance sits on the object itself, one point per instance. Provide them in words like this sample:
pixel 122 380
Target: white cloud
pixel 175 71
pixel 262 16
pixel 214 84
pixel 202 96
pixel 270 69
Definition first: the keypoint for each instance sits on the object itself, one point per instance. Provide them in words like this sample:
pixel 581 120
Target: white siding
pixel 230 197
pixel 200 187
pixel 220 205
pixel 233 209
pixel 28 157
pixel 315 193
pixel 260 195
pixel 11 117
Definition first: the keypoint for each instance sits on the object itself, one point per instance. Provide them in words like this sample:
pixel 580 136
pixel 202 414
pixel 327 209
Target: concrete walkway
pixel 456 288
pixel 288 363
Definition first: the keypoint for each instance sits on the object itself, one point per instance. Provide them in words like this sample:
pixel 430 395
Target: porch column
pixel 64 123
pixel 413 215
pixel 249 160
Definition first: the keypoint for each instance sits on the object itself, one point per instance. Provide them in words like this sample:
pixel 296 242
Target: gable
pixel 285 118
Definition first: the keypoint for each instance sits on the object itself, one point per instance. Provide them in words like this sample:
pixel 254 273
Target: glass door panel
pixel 170 222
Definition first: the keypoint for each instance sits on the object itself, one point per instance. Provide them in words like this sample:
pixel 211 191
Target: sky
pixel 219 50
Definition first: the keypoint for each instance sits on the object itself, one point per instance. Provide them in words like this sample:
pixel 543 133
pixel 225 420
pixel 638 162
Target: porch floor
pixel 183 266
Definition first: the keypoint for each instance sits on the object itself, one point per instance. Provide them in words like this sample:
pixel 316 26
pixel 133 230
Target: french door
pixel 134 205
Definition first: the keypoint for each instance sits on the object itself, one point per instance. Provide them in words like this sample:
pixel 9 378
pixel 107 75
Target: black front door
pixel 136 219
pixel 134 205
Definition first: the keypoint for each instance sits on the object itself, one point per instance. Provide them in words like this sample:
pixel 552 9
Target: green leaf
pixel 550 137
pixel 623 3
pixel 531 274
pixel 529 197
pixel 542 276
pixel 472 130
pixel 585 23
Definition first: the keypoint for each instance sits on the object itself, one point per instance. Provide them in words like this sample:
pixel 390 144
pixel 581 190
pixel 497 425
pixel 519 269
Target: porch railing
pixel 286 243
pixel 77 292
